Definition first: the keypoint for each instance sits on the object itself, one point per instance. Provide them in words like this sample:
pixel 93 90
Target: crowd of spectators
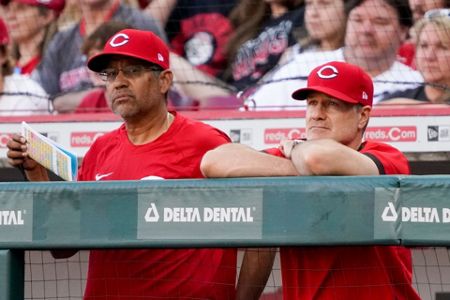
pixel 375 31
pixel 233 54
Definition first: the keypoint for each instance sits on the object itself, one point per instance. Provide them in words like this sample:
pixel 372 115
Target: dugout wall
pixel 383 210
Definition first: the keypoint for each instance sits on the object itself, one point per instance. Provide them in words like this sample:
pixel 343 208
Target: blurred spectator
pixel 198 30
pixel 432 60
pixel 31 25
pixel 375 30
pixel 144 3
pixel 63 68
pixel 160 10
pixel 260 40
pixel 70 15
pixel 420 7
pixel 19 94
pixel 406 53
pixel 324 30
pixel 264 30
pixel 132 3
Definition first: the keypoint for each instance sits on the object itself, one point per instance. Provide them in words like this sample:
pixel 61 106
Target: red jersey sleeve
pixel 389 160
pixel 274 151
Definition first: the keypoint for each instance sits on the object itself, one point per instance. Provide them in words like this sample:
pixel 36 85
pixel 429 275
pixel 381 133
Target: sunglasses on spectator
pixel 131 71
pixel 435 13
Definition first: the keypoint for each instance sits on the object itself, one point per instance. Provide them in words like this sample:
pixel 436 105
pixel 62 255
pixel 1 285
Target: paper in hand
pixel 50 154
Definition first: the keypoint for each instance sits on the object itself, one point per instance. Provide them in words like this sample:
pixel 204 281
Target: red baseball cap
pixel 341 80
pixel 56 5
pixel 135 43
pixel 4 36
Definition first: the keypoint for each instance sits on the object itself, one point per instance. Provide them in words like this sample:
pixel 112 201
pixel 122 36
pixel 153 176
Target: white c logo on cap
pixel 119 40
pixel 334 71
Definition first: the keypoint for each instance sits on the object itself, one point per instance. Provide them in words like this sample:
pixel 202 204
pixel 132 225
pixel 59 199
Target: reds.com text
pixel 382 134
pixel 276 135
pixel 84 139
pixel 392 134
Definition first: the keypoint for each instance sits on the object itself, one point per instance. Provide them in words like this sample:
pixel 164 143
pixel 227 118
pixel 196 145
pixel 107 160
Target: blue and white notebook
pixel 50 154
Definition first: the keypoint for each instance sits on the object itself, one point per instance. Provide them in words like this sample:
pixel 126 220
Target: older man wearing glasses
pixel 152 143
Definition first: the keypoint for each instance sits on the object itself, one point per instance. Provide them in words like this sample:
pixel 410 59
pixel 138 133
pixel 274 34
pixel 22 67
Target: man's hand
pixel 17 153
pixel 287 146
pixel 18 157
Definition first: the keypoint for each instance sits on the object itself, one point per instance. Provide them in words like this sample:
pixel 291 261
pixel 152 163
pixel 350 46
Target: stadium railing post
pixel 12 274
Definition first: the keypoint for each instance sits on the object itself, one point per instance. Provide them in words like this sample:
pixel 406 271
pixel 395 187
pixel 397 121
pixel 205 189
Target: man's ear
pixel 364 116
pixel 165 81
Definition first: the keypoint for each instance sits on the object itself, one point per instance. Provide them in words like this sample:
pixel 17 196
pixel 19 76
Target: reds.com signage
pixel 83 139
pixel 276 135
pixel 379 133
pixel 392 134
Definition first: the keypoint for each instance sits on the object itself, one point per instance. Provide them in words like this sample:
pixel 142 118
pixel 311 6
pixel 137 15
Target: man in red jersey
pixel 152 143
pixel 339 101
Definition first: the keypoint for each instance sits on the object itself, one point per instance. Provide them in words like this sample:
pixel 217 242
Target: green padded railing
pixel 248 212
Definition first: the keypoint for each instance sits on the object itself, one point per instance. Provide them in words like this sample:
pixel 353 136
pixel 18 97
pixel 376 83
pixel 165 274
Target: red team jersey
pixel 157 273
pixel 357 272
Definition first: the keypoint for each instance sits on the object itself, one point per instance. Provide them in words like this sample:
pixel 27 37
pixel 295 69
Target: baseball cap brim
pixel 302 94
pixel 99 62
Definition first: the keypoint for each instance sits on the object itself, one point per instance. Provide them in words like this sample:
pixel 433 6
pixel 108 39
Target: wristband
pixel 296 142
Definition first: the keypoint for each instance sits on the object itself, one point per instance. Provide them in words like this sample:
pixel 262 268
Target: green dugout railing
pixel 249 212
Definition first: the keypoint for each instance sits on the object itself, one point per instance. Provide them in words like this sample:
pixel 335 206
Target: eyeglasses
pixel 131 71
pixel 435 13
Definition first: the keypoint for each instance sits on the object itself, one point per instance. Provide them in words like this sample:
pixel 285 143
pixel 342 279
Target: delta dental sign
pixel 416 214
pixel 16 216
pixel 411 220
pixel 201 214
pixel 188 214
pixel 11 217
